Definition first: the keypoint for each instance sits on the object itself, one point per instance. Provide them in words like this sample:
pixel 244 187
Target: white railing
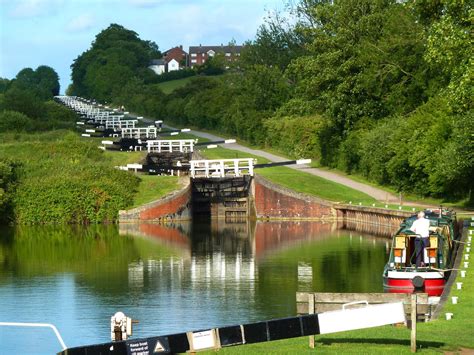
pixel 111 124
pixel 37 325
pixel 221 168
pixel 178 145
pixel 140 132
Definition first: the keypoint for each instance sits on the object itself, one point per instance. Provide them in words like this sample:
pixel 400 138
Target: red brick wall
pixel 273 201
pixel 171 207
pixel 174 207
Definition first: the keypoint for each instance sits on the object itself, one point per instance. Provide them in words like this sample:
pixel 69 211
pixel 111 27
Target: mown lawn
pixel 153 187
pixel 169 86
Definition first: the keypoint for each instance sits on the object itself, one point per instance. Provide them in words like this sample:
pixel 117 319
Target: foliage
pixel 276 44
pixel 8 180
pixel 296 136
pixel 14 121
pixel 117 55
pixel 66 180
pixel 25 101
pixel 379 88
pixel 45 115
pixel 44 81
pixel 173 75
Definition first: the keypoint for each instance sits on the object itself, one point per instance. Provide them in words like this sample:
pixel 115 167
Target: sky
pixel 55 32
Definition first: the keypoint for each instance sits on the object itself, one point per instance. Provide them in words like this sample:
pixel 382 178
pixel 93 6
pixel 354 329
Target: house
pixel 176 58
pixel 173 59
pixel 173 65
pixel 158 66
pixel 198 55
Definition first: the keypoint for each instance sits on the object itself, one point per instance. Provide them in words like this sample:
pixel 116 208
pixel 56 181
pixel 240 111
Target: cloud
pixel 32 8
pixel 80 23
pixel 145 3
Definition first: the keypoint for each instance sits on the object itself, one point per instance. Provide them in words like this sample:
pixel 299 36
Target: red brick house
pixel 180 58
pixel 198 55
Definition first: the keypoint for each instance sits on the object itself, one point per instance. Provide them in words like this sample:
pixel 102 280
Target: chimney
pixel 180 46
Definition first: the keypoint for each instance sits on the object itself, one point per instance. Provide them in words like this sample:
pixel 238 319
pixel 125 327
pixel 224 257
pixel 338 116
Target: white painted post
pixel 206 165
pixel 222 168
pixel 413 322
pixel 236 167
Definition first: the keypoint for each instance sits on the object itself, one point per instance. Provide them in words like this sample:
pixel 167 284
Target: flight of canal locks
pixel 230 259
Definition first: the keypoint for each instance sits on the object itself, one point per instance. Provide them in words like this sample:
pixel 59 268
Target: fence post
pixel 413 323
pixel 311 311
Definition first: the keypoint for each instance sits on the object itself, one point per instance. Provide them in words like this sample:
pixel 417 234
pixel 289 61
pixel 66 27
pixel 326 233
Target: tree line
pixel 380 88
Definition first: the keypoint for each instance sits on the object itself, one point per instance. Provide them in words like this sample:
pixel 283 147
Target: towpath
pixel 374 192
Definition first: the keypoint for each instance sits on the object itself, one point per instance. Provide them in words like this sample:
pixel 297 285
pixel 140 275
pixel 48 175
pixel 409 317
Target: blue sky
pixel 55 32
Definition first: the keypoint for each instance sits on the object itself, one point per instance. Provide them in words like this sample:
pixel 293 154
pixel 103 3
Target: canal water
pixel 171 278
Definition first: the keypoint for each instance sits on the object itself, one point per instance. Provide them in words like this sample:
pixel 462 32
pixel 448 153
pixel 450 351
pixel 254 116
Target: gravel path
pixel 378 194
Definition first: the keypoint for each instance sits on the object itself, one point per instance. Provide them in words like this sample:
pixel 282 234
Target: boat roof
pixel 437 217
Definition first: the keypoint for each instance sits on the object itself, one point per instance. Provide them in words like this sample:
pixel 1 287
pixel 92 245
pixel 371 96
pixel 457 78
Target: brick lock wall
pixel 273 201
pixel 174 207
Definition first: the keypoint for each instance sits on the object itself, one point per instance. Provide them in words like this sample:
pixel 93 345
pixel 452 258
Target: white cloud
pixel 144 3
pixel 31 8
pixel 80 23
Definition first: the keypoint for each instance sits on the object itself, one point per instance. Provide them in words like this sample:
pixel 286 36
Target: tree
pixel 42 82
pixel 277 43
pixel 117 55
pixel 363 60
pixel 48 80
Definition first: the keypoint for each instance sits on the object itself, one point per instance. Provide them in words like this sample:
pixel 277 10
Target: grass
pixel 223 153
pixel 117 158
pixel 433 337
pixel 314 185
pixel 169 86
pixel 153 187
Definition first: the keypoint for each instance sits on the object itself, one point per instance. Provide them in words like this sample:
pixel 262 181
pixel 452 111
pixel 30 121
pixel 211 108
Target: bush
pixel 296 136
pixel 174 75
pixel 64 179
pixel 13 121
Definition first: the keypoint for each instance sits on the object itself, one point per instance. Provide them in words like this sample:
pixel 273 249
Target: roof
pixel 157 62
pixel 217 49
pixel 177 48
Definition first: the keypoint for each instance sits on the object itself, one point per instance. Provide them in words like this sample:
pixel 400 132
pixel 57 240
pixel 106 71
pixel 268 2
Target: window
pixel 193 54
pixel 228 54
pixel 193 60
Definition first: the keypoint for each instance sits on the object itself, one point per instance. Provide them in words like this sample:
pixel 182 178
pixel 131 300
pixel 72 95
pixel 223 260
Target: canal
pixel 172 278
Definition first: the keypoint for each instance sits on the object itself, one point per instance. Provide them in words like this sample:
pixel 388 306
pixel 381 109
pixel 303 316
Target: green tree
pixel 117 55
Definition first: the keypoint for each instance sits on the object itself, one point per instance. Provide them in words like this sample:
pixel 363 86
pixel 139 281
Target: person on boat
pixel 422 229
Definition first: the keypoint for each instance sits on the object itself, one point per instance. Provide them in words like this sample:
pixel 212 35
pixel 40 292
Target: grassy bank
pixel 153 187
pixel 434 337
pixel 59 177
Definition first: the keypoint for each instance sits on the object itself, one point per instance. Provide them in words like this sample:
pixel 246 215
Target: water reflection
pixel 175 277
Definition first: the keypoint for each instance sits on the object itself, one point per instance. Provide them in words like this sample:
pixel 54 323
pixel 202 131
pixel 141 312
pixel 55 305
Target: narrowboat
pixel 401 275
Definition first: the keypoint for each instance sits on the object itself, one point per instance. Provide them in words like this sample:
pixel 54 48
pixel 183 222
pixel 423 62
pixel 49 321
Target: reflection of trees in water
pixel 96 255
